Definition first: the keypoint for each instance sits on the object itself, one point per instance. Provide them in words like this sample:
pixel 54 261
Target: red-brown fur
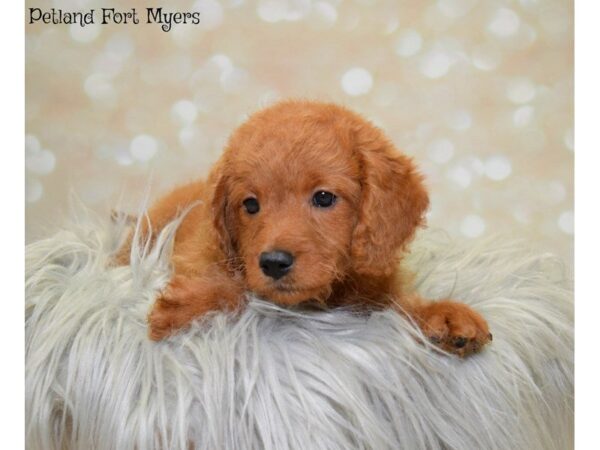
pixel 344 255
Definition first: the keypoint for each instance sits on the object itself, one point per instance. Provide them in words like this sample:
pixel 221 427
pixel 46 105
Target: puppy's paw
pixel 454 327
pixel 174 309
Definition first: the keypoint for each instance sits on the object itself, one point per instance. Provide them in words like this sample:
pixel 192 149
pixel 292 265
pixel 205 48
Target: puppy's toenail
pixel 490 337
pixel 460 342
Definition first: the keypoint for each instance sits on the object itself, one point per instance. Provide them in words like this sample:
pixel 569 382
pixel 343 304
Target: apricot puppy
pixel 309 202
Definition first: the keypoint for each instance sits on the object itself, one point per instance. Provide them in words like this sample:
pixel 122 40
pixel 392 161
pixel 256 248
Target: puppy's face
pixel 307 193
pixel 293 198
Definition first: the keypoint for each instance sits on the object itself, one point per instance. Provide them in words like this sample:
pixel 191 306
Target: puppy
pixel 309 202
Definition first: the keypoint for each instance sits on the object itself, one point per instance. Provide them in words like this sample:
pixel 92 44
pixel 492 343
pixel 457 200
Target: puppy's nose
pixel 276 264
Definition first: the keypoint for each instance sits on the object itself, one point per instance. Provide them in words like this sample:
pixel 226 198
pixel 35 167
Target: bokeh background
pixel 480 92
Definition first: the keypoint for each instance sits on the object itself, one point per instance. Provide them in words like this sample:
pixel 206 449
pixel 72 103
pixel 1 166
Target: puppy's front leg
pixel 187 298
pixel 455 327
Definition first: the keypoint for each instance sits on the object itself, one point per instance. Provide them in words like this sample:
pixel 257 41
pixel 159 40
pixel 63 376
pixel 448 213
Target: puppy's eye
pixel 251 205
pixel 323 199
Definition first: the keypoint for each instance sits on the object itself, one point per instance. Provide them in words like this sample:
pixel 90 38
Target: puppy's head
pixel 307 194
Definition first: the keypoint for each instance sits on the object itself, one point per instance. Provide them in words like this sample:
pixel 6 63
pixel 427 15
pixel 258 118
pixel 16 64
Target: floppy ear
pixel 221 212
pixel 393 202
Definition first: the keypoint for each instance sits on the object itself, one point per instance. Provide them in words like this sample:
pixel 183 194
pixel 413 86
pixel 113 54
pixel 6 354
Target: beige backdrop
pixel 479 92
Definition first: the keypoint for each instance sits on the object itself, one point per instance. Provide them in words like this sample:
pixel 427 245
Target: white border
pixel 587 223
pixel 12 199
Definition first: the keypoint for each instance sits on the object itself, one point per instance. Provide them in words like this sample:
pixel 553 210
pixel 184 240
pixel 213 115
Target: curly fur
pixel 346 255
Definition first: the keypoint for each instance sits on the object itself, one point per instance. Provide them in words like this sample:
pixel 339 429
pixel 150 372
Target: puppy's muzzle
pixel 276 264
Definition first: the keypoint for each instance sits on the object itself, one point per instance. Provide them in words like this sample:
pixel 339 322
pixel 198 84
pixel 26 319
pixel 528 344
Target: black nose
pixel 276 264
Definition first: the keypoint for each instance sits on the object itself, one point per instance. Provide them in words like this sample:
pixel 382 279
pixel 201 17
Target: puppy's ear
pixel 221 212
pixel 393 202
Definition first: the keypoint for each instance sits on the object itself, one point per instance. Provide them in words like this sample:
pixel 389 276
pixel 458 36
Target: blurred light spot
pixel 357 81
pixel 391 25
pixel 324 14
pixel 107 64
pixel 566 222
pixel 455 8
pixel 211 13
pixel 472 226
pixel 222 62
pixel 523 115
pixel 461 176
pixel 143 147
pixel 440 151
pixel 505 23
pixel 41 162
pixel 498 167
pixel 528 35
pixel 184 111
pixel 486 57
pixel 33 190
pixel 183 36
pixel 278 10
pixel 190 137
pixel 568 139
pixel 268 98
pixel 476 165
pixel 459 120
pixel 98 87
pixel 32 145
pixel 435 64
pixel 120 46
pixel 555 192
pixel 522 214
pixel 520 90
pixel 408 43
pixel 84 34
pixel 123 156
pixel 234 81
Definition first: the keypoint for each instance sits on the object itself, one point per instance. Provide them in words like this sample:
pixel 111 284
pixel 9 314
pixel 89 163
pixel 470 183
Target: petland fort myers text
pixel 105 16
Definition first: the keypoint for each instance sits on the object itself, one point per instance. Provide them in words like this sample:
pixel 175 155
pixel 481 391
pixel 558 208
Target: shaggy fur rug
pixel 281 379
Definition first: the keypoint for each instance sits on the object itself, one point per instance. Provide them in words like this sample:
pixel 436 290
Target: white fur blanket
pixel 277 379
